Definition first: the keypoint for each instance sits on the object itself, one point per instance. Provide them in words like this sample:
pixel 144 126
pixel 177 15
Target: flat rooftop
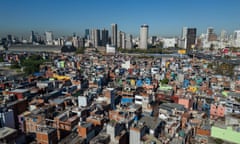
pixel 6 131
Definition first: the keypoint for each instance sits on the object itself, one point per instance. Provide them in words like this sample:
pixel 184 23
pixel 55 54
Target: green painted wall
pixel 226 134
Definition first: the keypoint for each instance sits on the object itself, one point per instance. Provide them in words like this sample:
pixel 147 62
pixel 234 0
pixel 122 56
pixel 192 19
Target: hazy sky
pixel 164 17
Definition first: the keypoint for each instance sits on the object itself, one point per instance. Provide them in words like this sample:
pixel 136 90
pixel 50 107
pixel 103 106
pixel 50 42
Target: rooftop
pixel 6 131
pixel 150 122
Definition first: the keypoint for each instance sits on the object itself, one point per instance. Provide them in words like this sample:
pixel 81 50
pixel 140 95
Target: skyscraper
pixel 191 38
pixel 223 35
pixel 75 41
pixel 104 37
pixel 211 36
pixel 49 38
pixel 87 34
pixel 123 40
pixel 114 35
pixel 184 32
pixel 95 37
pixel 119 39
pixel 33 37
pixel 129 44
pixel 143 44
pixel 183 43
pixel 236 38
pixel 10 38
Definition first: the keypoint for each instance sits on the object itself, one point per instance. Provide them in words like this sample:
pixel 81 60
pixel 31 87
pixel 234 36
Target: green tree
pixel 15 65
pixel 1 59
pixel 80 51
pixel 32 64
pixel 164 81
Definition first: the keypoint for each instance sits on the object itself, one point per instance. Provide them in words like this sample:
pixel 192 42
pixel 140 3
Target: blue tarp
pixel 139 83
pixel 186 83
pixel 148 81
pixel 37 74
pixel 126 100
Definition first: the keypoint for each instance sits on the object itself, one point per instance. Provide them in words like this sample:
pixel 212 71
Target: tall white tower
pixel 49 38
pixel 95 37
pixel 184 37
pixel 143 44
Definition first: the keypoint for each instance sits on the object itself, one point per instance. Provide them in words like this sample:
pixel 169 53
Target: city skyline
pixel 165 18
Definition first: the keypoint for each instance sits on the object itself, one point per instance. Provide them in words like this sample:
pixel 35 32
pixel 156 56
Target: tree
pixel 80 50
pixel 15 65
pixel 164 81
pixel 32 63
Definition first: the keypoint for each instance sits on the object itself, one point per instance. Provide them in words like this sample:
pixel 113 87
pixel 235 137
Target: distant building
pixel 49 38
pixel 105 37
pixel 68 47
pixel 236 38
pixel 87 34
pixel 129 43
pixel 114 34
pixel 143 44
pixel 223 35
pixel 191 38
pixel 183 40
pixel 10 38
pixel 110 49
pixel 95 37
pixel 211 36
pixel 33 38
pixel 121 40
pixel 153 40
pixel 169 42
pixel 75 41
pixel 81 43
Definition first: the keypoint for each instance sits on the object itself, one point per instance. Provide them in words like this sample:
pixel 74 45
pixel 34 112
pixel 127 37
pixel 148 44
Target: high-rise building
pixel 191 38
pixel 104 37
pixel 223 35
pixel 129 43
pixel 10 38
pixel 143 44
pixel 49 38
pixel 236 38
pixel 183 42
pixel 114 35
pixel 119 39
pixel 123 40
pixel 95 37
pixel 184 33
pixel 153 40
pixel 211 36
pixel 87 34
pixel 75 41
pixel 33 37
pixel 81 43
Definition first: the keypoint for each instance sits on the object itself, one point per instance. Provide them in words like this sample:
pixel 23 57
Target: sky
pixel 164 17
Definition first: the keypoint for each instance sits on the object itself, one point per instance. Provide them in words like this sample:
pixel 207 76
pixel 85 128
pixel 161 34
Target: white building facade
pixel 143 44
